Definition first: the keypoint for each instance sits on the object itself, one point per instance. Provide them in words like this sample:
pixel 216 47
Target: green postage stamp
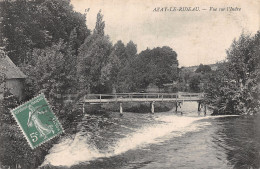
pixel 37 121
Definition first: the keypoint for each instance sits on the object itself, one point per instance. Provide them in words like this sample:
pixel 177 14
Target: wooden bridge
pixel 142 97
pixel 177 98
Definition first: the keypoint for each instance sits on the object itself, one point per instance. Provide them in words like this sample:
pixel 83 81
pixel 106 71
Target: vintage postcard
pixel 130 84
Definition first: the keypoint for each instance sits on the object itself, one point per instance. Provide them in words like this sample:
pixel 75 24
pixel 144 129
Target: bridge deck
pixel 142 97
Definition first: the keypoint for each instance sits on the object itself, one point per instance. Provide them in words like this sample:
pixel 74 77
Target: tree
pixel 116 62
pixel 203 69
pixel 119 59
pixel 46 72
pixel 156 66
pixel 100 25
pixel 93 57
pixel 120 51
pixel 235 89
pixel 131 50
pixel 38 24
pixel 194 83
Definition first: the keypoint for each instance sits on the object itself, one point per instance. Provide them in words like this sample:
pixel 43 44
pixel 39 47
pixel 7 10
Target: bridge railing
pixel 142 95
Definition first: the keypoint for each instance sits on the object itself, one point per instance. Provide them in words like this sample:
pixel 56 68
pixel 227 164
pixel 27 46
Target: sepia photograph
pixel 133 84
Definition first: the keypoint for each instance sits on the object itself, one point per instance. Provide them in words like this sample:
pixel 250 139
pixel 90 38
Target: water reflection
pixel 239 138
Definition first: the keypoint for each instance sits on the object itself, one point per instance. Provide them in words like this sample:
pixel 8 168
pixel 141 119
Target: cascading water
pixel 132 131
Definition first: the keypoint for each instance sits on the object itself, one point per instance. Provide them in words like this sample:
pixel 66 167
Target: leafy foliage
pixel 234 88
pixel 203 68
pixel 156 66
pixel 194 83
pixel 131 50
pixel 38 24
pixel 93 57
pixel 100 25
pixel 119 58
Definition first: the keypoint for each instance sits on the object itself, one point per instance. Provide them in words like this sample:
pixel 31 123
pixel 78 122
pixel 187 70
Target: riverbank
pixel 216 112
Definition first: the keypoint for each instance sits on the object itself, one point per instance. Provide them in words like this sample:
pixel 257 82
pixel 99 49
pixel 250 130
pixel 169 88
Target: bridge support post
pixel 152 107
pixel 121 108
pixel 176 107
pixel 199 105
pixel 205 109
pixel 83 106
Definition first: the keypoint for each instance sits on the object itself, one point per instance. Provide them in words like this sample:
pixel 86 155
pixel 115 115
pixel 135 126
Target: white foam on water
pixel 71 152
pixel 155 133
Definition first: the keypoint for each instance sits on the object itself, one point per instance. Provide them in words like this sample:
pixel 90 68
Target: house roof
pixel 9 68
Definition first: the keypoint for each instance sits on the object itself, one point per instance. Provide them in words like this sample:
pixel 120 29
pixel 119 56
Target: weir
pixel 177 98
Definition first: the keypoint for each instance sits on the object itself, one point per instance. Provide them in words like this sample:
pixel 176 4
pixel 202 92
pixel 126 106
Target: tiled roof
pixel 9 68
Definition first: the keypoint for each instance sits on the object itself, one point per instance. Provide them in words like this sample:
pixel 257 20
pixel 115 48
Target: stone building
pixel 14 77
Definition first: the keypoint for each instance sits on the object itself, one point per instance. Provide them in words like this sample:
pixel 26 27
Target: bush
pixel 234 87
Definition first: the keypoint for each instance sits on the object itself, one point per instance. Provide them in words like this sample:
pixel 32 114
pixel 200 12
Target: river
pixel 162 140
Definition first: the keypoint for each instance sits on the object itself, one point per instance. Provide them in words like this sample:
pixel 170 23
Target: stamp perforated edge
pixel 28 141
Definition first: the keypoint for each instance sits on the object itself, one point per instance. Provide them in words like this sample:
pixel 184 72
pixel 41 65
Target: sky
pixel 196 36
